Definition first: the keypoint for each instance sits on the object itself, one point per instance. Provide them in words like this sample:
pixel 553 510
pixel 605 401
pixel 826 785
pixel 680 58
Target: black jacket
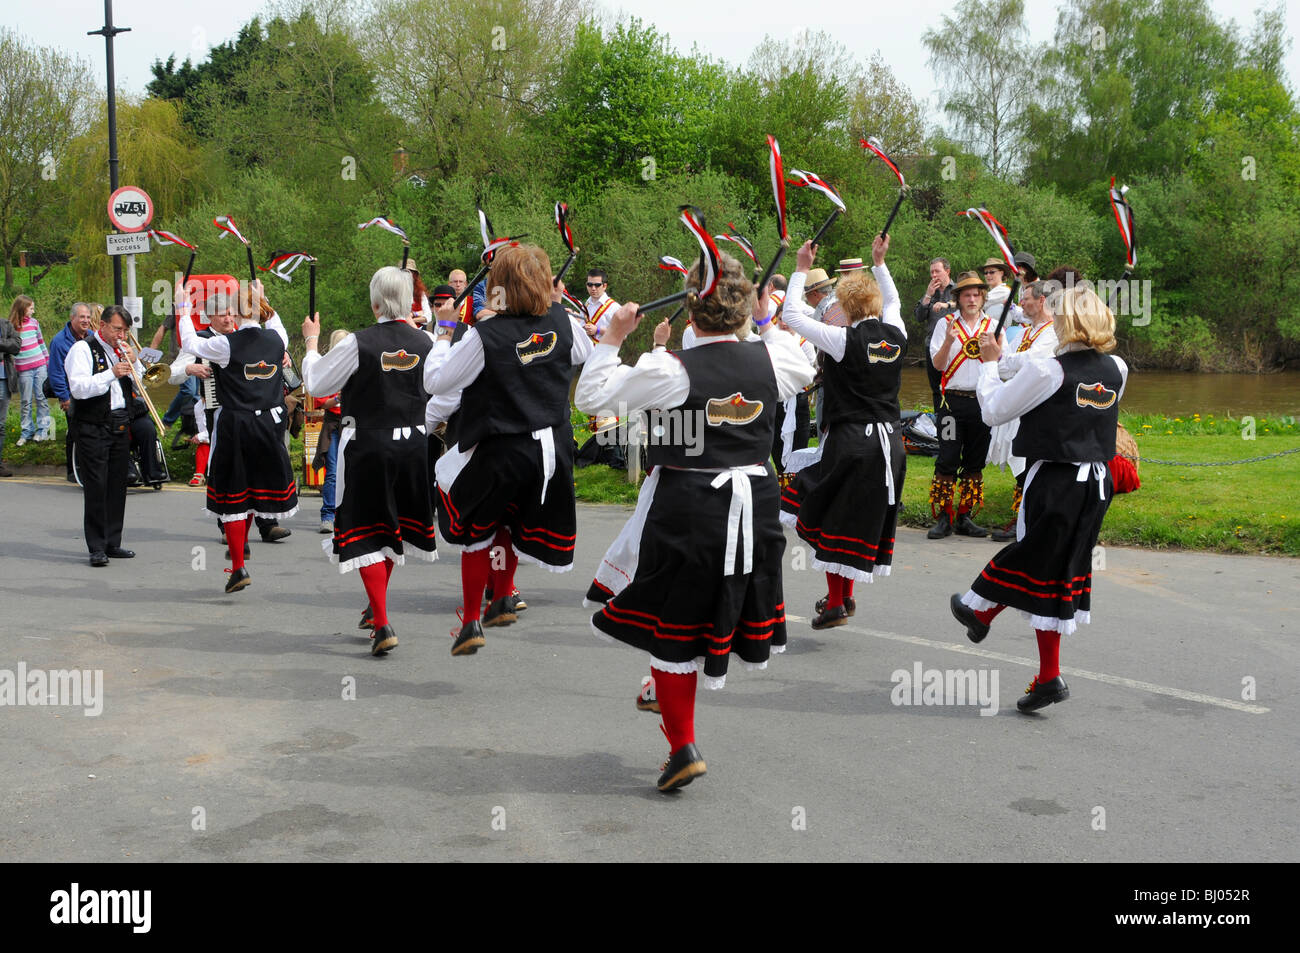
pixel 10 345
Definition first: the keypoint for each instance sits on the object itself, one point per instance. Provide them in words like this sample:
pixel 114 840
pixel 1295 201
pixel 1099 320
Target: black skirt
pixel 248 468
pixel 504 483
pixel 679 606
pixel 384 510
pixel 1047 572
pixel 841 505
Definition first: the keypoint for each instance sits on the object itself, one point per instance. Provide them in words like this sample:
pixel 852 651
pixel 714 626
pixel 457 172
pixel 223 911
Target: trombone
pixel 139 385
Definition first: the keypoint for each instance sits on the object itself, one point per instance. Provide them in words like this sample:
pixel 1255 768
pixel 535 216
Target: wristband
pixel 447 324
pixel 765 321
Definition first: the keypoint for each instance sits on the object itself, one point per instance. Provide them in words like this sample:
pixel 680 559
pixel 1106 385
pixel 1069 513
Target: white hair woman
pixel 384 510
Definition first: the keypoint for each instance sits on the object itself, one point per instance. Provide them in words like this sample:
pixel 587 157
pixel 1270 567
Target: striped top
pixel 33 353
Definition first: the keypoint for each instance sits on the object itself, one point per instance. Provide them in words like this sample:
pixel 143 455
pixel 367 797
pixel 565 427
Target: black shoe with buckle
pixel 831 617
pixel 275 534
pixel 682 767
pixel 975 629
pixel 501 612
pixel 850 606
pixel 367 619
pixel 99 560
pixel 117 552
pixel 942 528
pixel 1040 696
pixel 239 579
pixel 470 639
pixel 385 639
pixel 965 526
pixel 1006 534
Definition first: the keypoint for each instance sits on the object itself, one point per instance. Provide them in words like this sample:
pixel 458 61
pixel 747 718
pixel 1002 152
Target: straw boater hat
pixel 997 263
pixel 818 280
pixel 849 264
pixel 969 279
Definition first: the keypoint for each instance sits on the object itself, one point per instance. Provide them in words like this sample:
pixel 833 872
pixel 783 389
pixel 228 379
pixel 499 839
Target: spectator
pixel 939 302
pixel 76 329
pixel 9 347
pixel 33 356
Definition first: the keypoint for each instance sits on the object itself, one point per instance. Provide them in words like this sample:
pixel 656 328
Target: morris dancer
pixel 1038 342
pixel 508 481
pixel 249 473
pixel 383 464
pixel 963 436
pixel 1068 408
pixel 707 584
pixel 846 506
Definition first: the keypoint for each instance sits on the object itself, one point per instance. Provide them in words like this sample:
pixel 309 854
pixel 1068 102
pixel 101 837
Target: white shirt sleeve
pixel 827 339
pixel 892 305
pixel 83 383
pixel 215 349
pixel 608 386
pixel 1123 373
pixel 1044 346
pixel 582 344
pixel 273 323
pixel 439 409
pixel 178 372
pixel 1001 402
pixel 453 370
pixel 326 375
pixel 793 372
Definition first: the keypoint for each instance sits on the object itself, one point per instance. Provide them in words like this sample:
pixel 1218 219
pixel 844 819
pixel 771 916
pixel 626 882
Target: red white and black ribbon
pixel 485 229
pixel 872 144
pixel 574 305
pixel 806 180
pixel 228 227
pixel 669 263
pixel 693 219
pixel 283 263
pixel 170 238
pixel 734 236
pixel 562 223
pixel 778 186
pixel 1124 218
pixel 999 233
pixel 387 224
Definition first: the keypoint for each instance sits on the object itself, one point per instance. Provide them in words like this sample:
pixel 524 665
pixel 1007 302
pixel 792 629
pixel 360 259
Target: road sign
pixel 132 243
pixel 130 209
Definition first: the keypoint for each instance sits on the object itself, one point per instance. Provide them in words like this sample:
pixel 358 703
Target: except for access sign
pixel 132 243
pixel 130 209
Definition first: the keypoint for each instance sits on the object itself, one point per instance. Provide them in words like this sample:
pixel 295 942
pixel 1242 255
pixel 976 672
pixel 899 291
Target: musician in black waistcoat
pixel 98 368
pixel 382 475
pixel 249 473
pixel 708 577
pixel 1068 408
pixel 845 505
pixel 507 484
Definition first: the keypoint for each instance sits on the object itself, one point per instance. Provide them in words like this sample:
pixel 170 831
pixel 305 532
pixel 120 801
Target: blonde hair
pixel 523 273
pixel 1084 317
pixel 859 295
pixel 336 336
pixel 730 306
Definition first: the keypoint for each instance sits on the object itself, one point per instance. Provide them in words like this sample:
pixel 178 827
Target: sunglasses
pixel 595 284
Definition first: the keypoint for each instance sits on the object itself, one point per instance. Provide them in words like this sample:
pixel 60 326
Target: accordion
pixel 208 386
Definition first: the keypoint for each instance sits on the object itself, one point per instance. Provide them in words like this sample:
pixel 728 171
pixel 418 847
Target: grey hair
pixel 80 304
pixel 392 291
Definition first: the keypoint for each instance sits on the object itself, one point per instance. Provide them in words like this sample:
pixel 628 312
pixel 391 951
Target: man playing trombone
pixel 99 372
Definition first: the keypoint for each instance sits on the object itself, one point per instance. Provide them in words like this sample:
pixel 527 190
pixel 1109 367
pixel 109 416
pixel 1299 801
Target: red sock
pixel 236 536
pixel 848 587
pixel 676 694
pixel 835 587
pixel 201 458
pixel 375 579
pixel 503 580
pixel 474 570
pixel 988 615
pixel 1049 655
pixel 388 570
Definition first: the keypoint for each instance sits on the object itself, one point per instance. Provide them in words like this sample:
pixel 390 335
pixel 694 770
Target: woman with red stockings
pixel 845 505
pixel 382 476
pixel 505 489
pixel 249 473
pixel 707 581
pixel 1068 408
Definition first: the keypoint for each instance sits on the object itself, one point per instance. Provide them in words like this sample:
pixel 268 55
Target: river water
pixel 1174 393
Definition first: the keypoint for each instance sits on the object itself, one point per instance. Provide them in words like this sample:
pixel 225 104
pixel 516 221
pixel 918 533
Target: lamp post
pixel 108 31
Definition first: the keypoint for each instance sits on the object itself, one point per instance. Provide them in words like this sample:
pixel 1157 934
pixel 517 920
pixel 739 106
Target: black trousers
pixel 802 430
pixel 963 437
pixel 69 438
pixel 102 451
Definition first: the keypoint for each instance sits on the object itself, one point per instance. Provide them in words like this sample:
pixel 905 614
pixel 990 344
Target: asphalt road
pixel 225 733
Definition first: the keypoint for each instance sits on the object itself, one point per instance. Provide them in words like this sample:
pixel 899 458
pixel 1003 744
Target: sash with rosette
pixel 970 350
pixel 1029 337
pixel 594 321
